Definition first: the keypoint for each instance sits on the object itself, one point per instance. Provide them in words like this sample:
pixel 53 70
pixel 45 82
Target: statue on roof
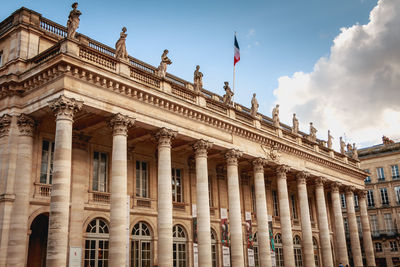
pixel 120 47
pixel 73 21
pixel 198 80
pixel 349 148
pixel 342 146
pixel 330 138
pixel 254 106
pixel 227 98
pixel 295 127
pixel 386 140
pixel 165 61
pixel 313 133
pixel 275 116
pixel 355 152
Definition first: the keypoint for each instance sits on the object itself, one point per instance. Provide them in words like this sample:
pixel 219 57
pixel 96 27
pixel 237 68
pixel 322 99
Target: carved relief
pixel 258 164
pixel 120 124
pixel 335 187
pixel 302 177
pixel 320 181
pixel 201 146
pixel 362 194
pixel 64 107
pixel 5 123
pixel 73 21
pixel 350 190
pixel 232 156
pixel 26 125
pixel 164 136
pixel 282 170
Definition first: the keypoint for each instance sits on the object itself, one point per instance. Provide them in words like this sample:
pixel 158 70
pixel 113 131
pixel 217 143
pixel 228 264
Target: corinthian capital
pixel 64 107
pixel 164 136
pixel 120 124
pixel 26 125
pixel 232 156
pixel 5 122
pixel 362 194
pixel 201 146
pixel 282 170
pixel 320 181
pixel 349 190
pixel 258 164
pixel 335 187
pixel 302 177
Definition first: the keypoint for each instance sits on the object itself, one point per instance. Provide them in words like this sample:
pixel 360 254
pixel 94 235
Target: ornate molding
pixel 164 136
pixel 362 194
pixel 302 177
pixel 26 125
pixel 232 156
pixel 120 124
pixel 258 164
pixel 201 146
pixel 335 187
pixel 65 108
pixel 350 190
pixel 281 171
pixel 5 123
pixel 320 181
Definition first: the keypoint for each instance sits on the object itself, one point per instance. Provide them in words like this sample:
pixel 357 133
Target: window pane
pixel 95 185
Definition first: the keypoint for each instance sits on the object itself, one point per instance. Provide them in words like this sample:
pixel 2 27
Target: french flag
pixel 236 57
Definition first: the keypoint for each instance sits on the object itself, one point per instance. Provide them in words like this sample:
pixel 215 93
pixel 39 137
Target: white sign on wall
pixel 226 256
pixel 195 255
pixel 273 259
pixel 75 256
pixel 250 256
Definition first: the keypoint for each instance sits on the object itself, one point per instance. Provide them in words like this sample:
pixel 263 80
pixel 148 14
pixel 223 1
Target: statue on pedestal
pixel 120 47
pixel 313 133
pixel 295 127
pixel 275 116
pixel 342 146
pixel 349 148
pixel 73 21
pixel 254 106
pixel 330 138
pixel 355 152
pixel 227 98
pixel 165 61
pixel 198 80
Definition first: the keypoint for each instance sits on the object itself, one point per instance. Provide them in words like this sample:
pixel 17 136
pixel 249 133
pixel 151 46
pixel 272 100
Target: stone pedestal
pixel 164 222
pixel 57 243
pixel 262 214
pixel 366 230
pixel 235 216
pixel 118 210
pixel 354 237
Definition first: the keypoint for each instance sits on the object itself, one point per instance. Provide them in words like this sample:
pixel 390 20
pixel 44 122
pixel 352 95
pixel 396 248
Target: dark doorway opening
pixel 38 241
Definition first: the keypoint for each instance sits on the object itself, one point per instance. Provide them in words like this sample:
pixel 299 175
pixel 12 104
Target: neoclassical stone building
pixel 109 161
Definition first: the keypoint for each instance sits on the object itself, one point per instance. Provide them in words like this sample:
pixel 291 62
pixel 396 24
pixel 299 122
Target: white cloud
pixel 356 89
pixel 251 33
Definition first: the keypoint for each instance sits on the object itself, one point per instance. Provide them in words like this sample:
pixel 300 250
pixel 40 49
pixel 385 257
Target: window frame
pixel 374 223
pixel 397 193
pixel 343 201
pixel 297 251
pixel 50 162
pixel 141 239
pixel 294 206
pixel 395 171
pixel 367 179
pixel 173 184
pixel 1 58
pixel 393 246
pixel 180 241
pixel 280 262
pixel 275 203
pixel 97 237
pixel 388 220
pixel 107 174
pixel 140 173
pixel 378 247
pixel 380 174
pixel 370 198
pixel 384 196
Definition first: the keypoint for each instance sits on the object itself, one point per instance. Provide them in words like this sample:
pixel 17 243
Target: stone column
pixel 367 240
pixel 19 218
pixel 354 237
pixel 340 235
pixel 327 259
pixel 262 214
pixel 284 210
pixel 235 216
pixel 64 109
pixel 164 201
pixel 118 198
pixel 203 203
pixel 308 249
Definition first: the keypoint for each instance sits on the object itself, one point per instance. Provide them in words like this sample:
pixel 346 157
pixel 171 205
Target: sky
pixel 334 63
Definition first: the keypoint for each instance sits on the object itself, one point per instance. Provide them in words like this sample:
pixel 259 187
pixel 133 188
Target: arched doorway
pixel 38 241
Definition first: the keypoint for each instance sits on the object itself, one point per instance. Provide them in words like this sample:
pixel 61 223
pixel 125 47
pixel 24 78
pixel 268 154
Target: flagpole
pixel 233 85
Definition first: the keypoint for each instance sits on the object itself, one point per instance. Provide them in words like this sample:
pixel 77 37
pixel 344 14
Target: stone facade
pixel 104 160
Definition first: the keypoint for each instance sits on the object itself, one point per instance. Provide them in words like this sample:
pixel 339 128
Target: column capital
pixel 120 124
pixel 281 171
pixel 5 123
pixel 320 181
pixel 335 187
pixel 164 136
pixel 258 164
pixel 200 147
pixel 302 177
pixel 349 190
pixel 232 156
pixel 362 194
pixel 26 125
pixel 64 108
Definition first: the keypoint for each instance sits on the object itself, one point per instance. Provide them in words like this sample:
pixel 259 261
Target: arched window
pixel 298 258
pixel 278 250
pixel 255 247
pixel 214 248
pixel 179 247
pixel 96 244
pixel 316 252
pixel 141 245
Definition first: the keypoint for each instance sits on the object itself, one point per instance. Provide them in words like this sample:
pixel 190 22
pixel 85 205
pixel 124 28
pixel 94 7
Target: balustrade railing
pixel 93 55
pixel 42 190
pixel 53 27
pixel 100 197
pixel 47 54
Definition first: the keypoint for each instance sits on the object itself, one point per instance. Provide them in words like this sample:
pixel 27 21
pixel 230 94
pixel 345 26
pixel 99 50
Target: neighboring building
pixel 382 162
pixel 106 160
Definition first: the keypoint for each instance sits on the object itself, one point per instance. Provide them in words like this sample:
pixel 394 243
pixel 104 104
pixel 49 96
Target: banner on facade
pixel 128 221
pixel 249 239
pixel 226 257
pixel 75 256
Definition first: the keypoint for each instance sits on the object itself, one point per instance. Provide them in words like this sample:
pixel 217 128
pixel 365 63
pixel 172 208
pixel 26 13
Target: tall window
pixel 278 250
pixel 310 209
pixel 346 225
pixel 384 196
pixel 255 248
pixel 356 201
pixel 177 189
pixel 395 171
pixel 46 167
pixel 96 244
pixel 294 207
pixel 378 247
pixel 298 259
pixel 141 246
pixel 142 179
pixel 370 198
pixel 276 205
pixel 388 221
pixel 359 226
pixel 1 58
pixel 373 219
pixel 397 193
pixel 99 172
pixel 380 174
pixel 343 200
pixel 214 249
pixel 179 246
pixel 253 198
pixel 368 178
pixel 210 192
pixel 316 252
pixel 393 246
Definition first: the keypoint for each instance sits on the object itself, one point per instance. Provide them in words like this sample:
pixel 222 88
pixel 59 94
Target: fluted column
pixel 367 240
pixel 308 249
pixel 64 109
pixel 284 211
pixel 118 210
pixel 324 236
pixel 235 217
pixel 164 221
pixel 19 218
pixel 354 237
pixel 262 214
pixel 340 235
pixel 203 203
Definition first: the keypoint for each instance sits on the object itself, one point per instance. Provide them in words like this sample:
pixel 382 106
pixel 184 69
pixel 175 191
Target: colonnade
pixel 65 108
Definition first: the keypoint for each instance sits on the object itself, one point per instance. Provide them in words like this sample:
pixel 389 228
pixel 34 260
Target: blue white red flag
pixel 236 57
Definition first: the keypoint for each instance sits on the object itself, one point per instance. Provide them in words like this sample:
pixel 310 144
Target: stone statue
pixel 227 98
pixel 165 61
pixel 355 152
pixel 349 148
pixel 254 106
pixel 73 21
pixel 198 80
pixel 342 146
pixel 330 138
pixel 295 128
pixel 313 133
pixel 120 47
pixel 275 116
